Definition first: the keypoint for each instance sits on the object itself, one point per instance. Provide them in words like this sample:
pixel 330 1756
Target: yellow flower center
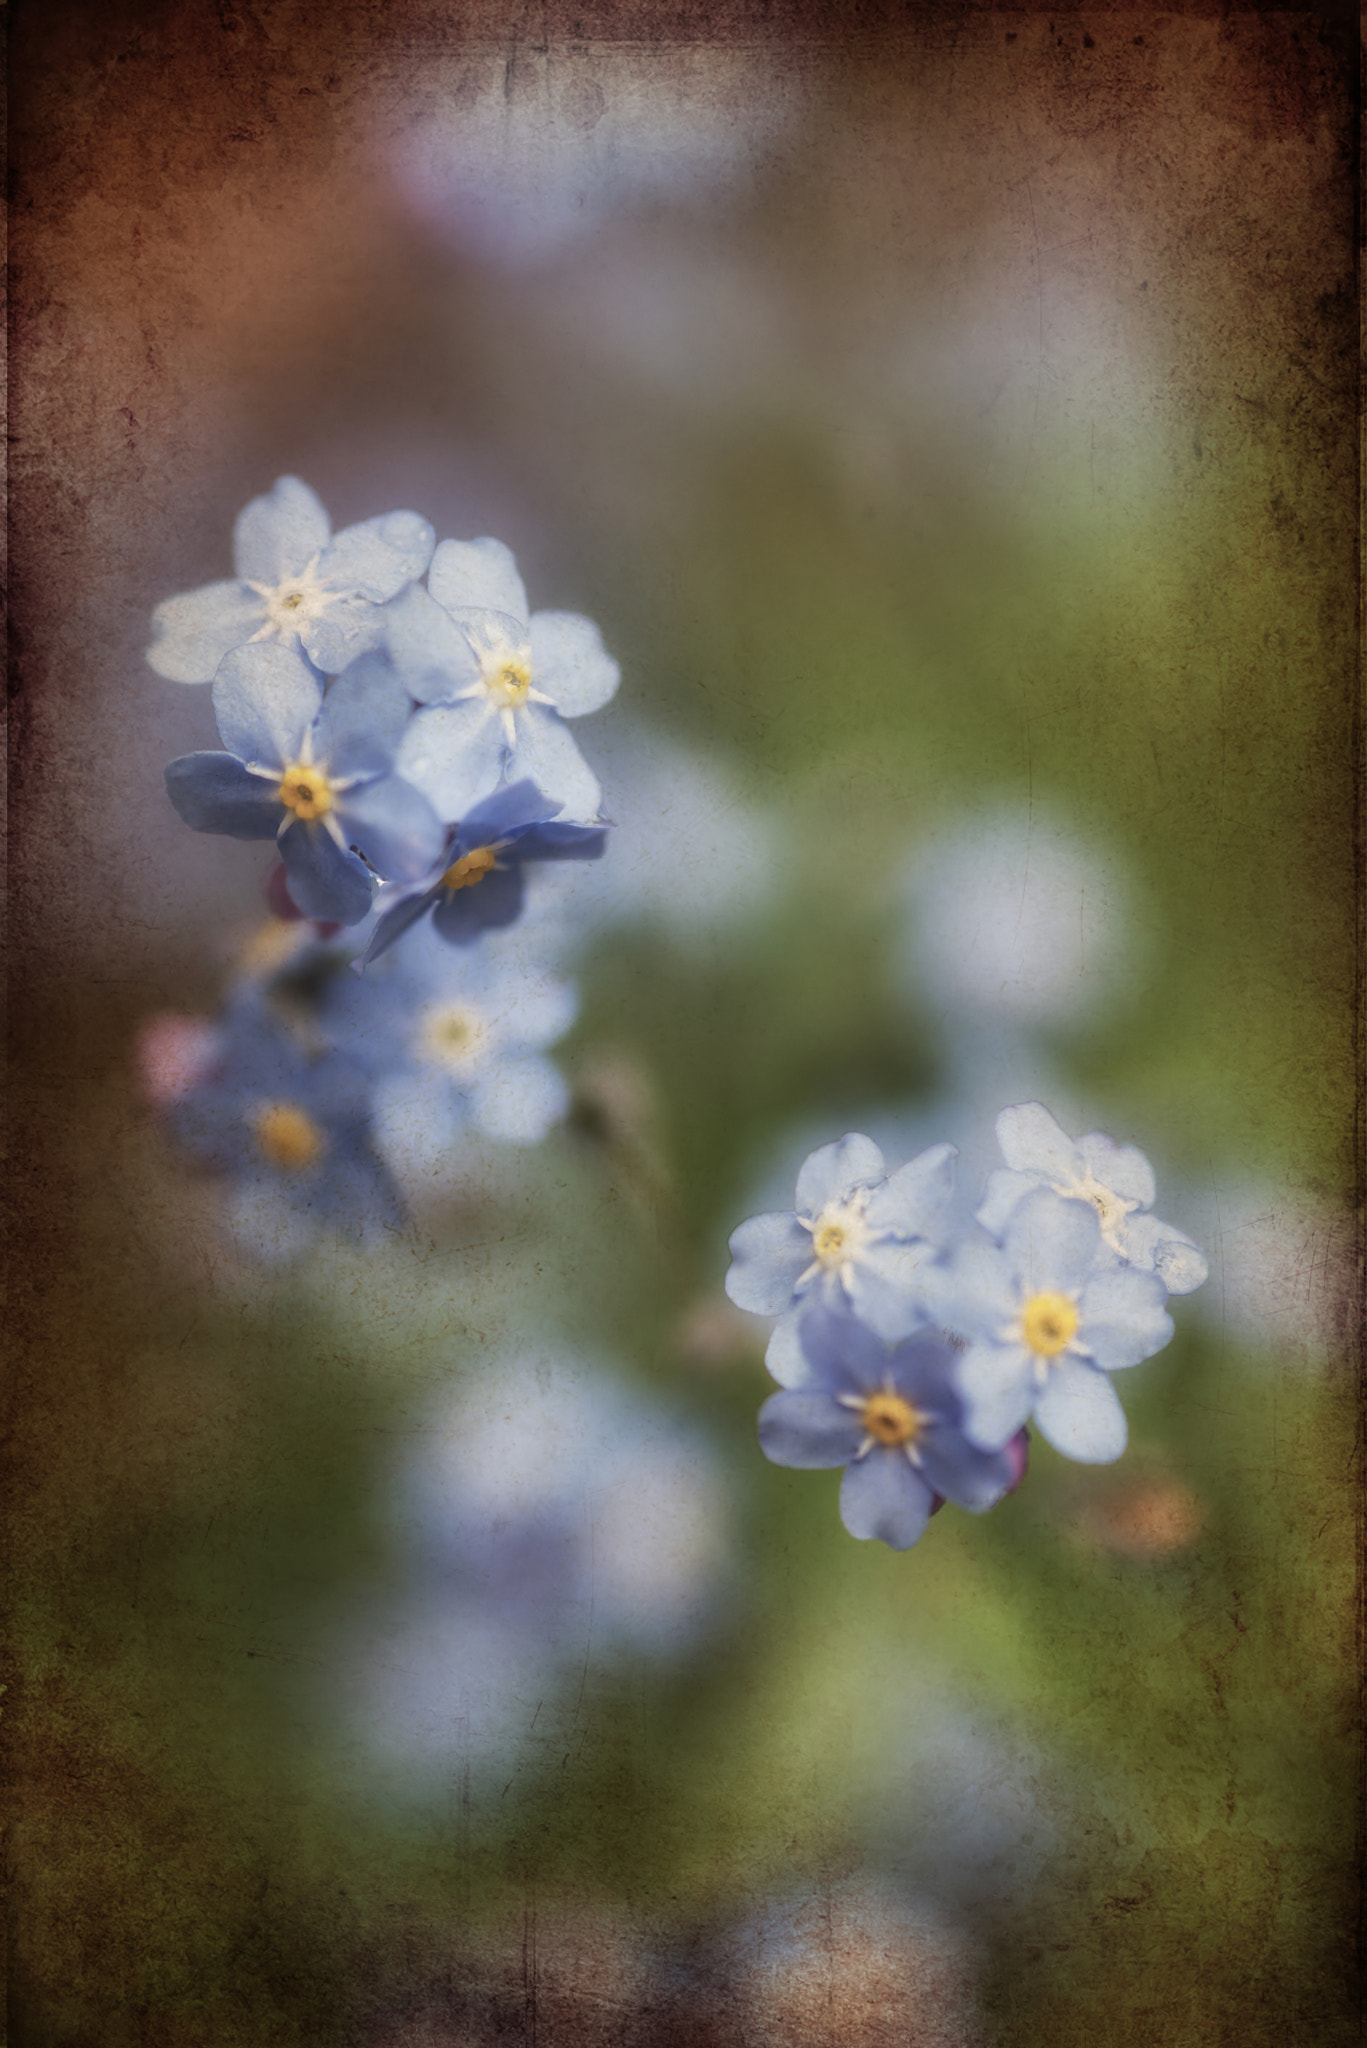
pixel 1048 1321
pixel 452 1035
pixel 469 869
pixel 508 678
pixel 888 1419
pixel 287 1136
pixel 305 791
pixel 829 1243
pixel 291 601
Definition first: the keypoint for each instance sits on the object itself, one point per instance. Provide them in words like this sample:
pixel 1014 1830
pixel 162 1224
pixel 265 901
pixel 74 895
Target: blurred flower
pixel 288 1129
pixel 1011 918
pixel 1282 1264
pixel 294 585
pixel 172 1055
pixel 1045 1327
pixel 313 772
pixel 530 156
pixel 480 885
pixel 1116 1179
pixel 452 1041
pixel 858 1238
pixel 498 683
pixel 692 855
pixel 553 1517
pixel 893 1419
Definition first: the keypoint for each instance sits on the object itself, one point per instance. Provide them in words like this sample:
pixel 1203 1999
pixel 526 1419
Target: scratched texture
pixel 1118 580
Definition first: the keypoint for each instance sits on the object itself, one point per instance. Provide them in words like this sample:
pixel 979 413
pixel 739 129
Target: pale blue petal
pixel 434 657
pixel 533 1009
pixel 518 1100
pixel 888 1289
pixel 478 575
pixel 1122 1168
pixel 376 558
pixel 418 1123
pixel 1121 1318
pixel 215 793
pixel 832 1173
pixel 570 663
pixel 265 699
pixel 349 628
pixel 910 1199
pixel 1032 1142
pixel 881 1497
pixel 394 826
pixel 785 1359
pixel 770 1254
pixel 971 1478
pixel 1080 1415
pixel 324 882
pixel 545 751
pixel 1159 1248
pixel 973 1295
pixel 1004 1191
pixel 278 536
pixel 192 633
pixel 997 1383
pixel 1051 1243
pixel 808 1430
pixel 402 912
pixel 454 754
pixel 364 716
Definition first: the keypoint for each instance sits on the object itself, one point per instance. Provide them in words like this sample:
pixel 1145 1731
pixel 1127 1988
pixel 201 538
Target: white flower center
pixel 840 1236
pixel 294 604
pixel 1111 1208
pixel 454 1036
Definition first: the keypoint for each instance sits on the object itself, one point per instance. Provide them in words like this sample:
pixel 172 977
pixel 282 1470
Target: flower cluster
pixel 915 1354
pixel 403 741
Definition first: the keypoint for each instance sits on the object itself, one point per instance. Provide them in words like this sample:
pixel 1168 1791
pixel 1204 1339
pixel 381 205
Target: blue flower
pixel 294 586
pixel 1116 1179
pixel 479 886
pixel 454 1041
pixel 498 684
pixel 893 1419
pixel 287 1122
pixel 314 773
pixel 859 1238
pixel 1047 1320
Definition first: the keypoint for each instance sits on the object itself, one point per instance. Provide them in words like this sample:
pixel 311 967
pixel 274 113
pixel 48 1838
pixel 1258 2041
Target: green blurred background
pixel 941 421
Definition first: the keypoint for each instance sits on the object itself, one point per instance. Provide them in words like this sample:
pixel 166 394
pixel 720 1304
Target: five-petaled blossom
pixel 313 772
pixel 1116 1179
pixel 297 584
pixel 479 884
pixel 1046 1323
pixel 859 1238
pixel 454 1042
pixel 286 1121
pixel 497 683
pixel 894 1420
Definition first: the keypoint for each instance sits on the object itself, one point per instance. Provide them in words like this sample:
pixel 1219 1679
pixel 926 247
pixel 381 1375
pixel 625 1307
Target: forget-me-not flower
pixel 453 1041
pixel 893 1419
pixel 858 1238
pixel 497 683
pixel 285 1122
pixel 313 772
pixel 1116 1179
pixel 479 885
pixel 297 584
pixel 1047 1320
